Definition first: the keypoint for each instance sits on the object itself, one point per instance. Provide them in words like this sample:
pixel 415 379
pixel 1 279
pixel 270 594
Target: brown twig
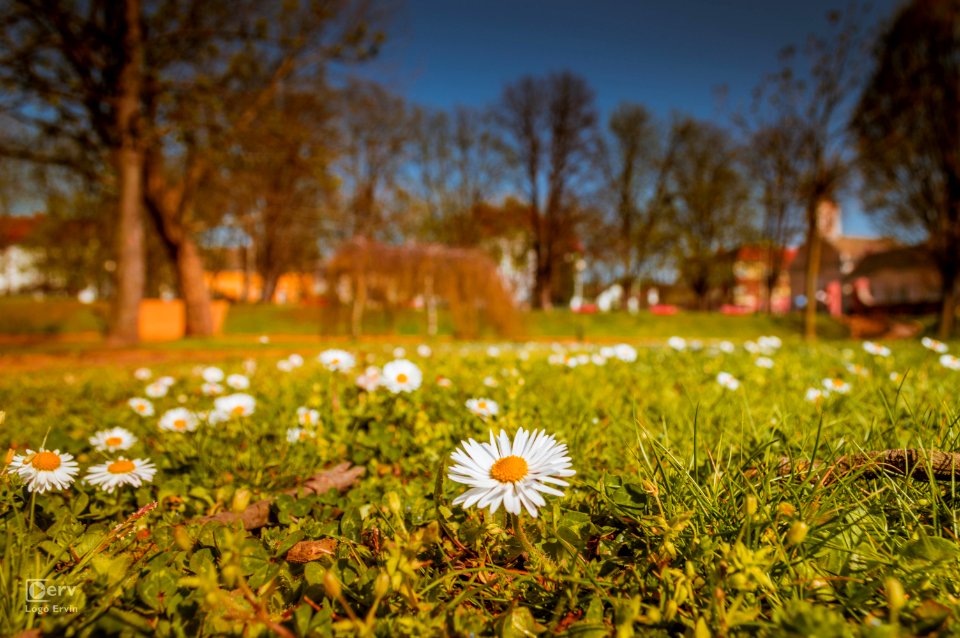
pixel 918 464
pixel 257 515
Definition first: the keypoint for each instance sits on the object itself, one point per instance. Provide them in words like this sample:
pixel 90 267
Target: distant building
pixel 839 256
pixel 751 268
pixel 901 280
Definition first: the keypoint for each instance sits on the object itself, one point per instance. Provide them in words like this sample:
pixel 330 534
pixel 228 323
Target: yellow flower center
pixel 304 436
pixel 837 383
pixel 509 469
pixel 401 378
pixel 482 405
pixel 180 424
pixel 141 407
pixel 113 441
pixel 123 466
pixel 237 411
pixel 46 461
pixel 334 361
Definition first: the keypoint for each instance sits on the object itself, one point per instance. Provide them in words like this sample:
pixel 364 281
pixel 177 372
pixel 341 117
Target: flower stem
pixel 537 557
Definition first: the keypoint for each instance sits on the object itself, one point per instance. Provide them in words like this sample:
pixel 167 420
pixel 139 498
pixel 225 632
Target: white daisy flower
pixel 156 390
pixel 764 362
pixel 211 389
pixel 770 342
pixel 122 471
pixel 179 420
pixel 444 382
pixel 399 353
pixel 166 380
pixel 337 360
pixel 141 406
pixel 728 381
pixel 598 360
pixel 857 369
pixel 249 366
pixel 677 343
pixel 401 375
pixel 513 475
pixel 238 404
pixel 876 349
pixel 583 358
pixel 949 361
pixel 44 470
pixel 112 440
pixel 284 365
pixel 424 350
pixel 726 346
pixel 490 382
pixel 696 345
pixel 212 374
pixel 215 416
pixel 493 351
pixel 371 379
pixel 295 360
pixel 896 377
pixel 932 344
pixel 306 416
pixel 751 347
pixel 625 352
pixel 238 382
pixel 836 385
pixel 298 435
pixel 815 394
pixel 142 374
pixel 608 352
pixel 263 339
pixel 483 407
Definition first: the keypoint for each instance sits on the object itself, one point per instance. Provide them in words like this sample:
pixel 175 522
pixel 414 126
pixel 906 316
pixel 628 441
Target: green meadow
pixel 695 510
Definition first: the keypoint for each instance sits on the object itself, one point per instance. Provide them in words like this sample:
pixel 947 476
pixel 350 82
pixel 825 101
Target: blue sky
pixel 668 55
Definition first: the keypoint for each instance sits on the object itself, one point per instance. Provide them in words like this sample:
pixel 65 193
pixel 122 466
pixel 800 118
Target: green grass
pixel 27 317
pixel 678 521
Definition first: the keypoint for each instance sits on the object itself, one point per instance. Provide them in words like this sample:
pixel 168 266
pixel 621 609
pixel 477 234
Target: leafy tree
pixel 907 125
pixel 152 95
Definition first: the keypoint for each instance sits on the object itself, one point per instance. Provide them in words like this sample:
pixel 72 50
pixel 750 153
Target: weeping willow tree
pixel 364 273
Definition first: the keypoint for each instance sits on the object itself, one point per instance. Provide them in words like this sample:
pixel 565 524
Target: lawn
pixel 31 319
pixel 690 511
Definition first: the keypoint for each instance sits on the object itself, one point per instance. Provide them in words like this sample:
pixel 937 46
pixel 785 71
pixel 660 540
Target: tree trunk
pixel 196 297
pixel 270 280
pixel 166 204
pixel 128 160
pixel 948 304
pixel 812 274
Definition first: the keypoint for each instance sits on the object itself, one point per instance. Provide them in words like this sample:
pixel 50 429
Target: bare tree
pixel 551 129
pixel 770 157
pixel 907 124
pixel 374 137
pixel 814 99
pixel 636 166
pixel 709 200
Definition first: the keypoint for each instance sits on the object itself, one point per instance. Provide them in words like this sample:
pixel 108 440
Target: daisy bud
pixel 393 503
pixel 381 586
pixel 896 598
pixel 241 498
pixel 797 533
pixel 182 537
pixel 331 585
